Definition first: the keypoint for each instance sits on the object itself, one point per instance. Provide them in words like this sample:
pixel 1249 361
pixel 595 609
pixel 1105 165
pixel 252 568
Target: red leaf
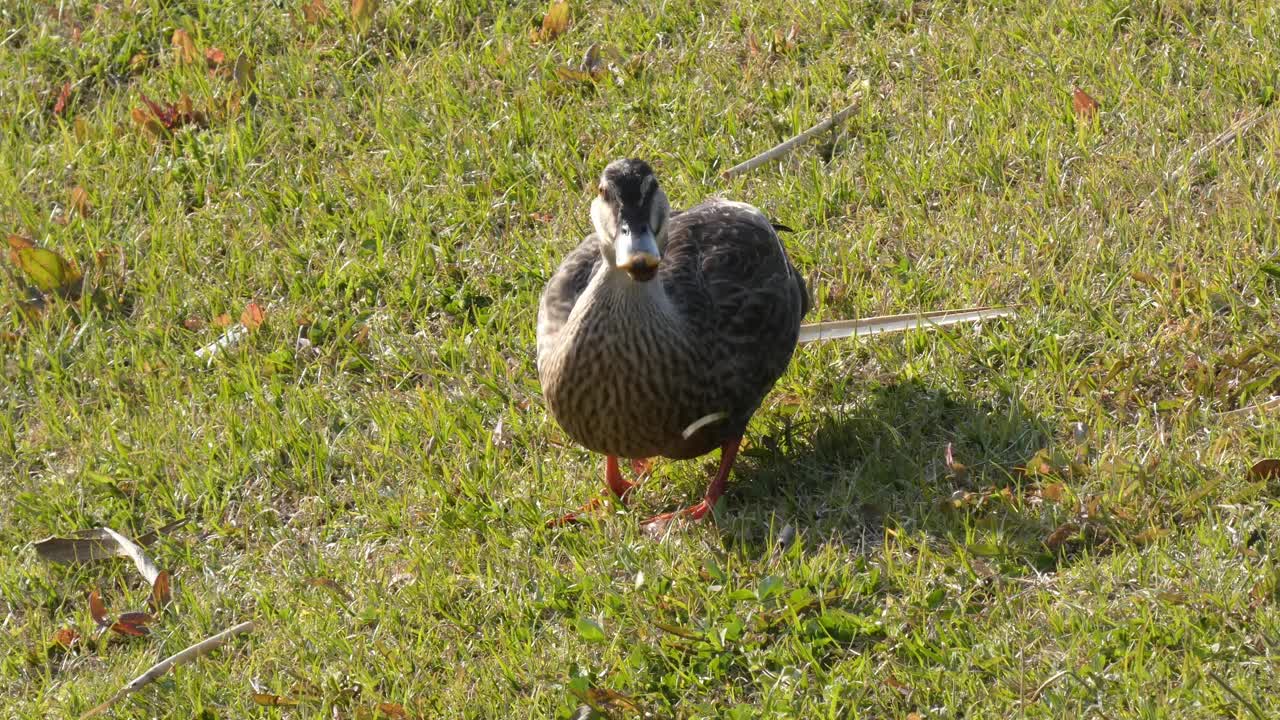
pixel 160 591
pixel 63 97
pixel 252 316
pixel 1084 105
pixel 98 609
pixel 214 57
pixel 65 637
pixel 130 630
pixel 137 618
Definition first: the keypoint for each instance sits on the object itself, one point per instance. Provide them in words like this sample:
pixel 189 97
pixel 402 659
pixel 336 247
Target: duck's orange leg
pixel 728 451
pixel 618 485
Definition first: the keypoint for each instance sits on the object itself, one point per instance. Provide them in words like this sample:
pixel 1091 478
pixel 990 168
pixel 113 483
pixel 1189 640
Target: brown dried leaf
pixel 362 10
pixel 1144 277
pixel 1267 469
pixel 1060 536
pixel 98 609
pixel 222 320
pixel 392 710
pixel 315 11
pixel 1084 105
pixel 753 45
pixel 332 586
pixel 137 618
pixel 269 700
pixel 129 630
pixel 184 48
pixel 65 637
pixel 253 316
pixel 64 96
pixel 554 23
pixel 194 324
pixel 80 201
pixel 606 699
pixel 1052 492
pixel 161 591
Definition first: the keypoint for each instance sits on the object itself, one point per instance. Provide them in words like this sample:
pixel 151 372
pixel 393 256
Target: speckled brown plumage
pixel 626 366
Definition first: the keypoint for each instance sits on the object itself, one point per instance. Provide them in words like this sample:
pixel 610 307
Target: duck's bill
pixel 637 253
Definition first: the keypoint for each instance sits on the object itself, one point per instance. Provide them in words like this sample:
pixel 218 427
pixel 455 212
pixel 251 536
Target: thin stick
pixel 162 667
pixel 787 146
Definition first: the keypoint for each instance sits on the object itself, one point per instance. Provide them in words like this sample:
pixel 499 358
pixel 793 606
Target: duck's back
pixel 739 302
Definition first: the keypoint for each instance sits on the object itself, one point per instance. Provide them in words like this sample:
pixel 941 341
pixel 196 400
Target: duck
pixel 662 332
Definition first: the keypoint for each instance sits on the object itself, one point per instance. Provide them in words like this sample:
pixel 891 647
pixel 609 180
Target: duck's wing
pixel 757 298
pixel 562 292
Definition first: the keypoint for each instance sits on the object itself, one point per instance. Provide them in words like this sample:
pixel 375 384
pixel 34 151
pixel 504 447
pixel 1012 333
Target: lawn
pixel 1058 514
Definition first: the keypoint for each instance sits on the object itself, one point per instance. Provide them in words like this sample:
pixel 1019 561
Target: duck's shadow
pixel 847 473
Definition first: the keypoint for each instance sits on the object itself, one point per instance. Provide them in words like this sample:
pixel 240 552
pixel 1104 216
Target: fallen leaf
pixel 554 23
pixel 65 637
pixel 213 57
pixel 753 45
pixel 252 316
pixel 315 11
pixel 161 591
pixel 80 201
pixel 1268 469
pixel 98 609
pixel 194 324
pixel 1060 536
pixel 1150 535
pixel 1144 277
pixel 130 630
pixel 184 48
pixel 332 586
pixel 269 700
pixel 47 270
pixel 392 710
pixel 222 320
pixel 362 10
pixel 64 96
pixel 1052 492
pixel 1085 106
pixel 136 618
pixel 590 630
pixel 604 699
pixel 16 243
pixel 89 545
pixel 242 71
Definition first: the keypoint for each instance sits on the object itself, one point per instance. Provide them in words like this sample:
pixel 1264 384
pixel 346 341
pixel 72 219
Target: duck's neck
pixel 613 297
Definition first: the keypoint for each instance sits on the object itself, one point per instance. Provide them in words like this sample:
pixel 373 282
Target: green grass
pixel 398 194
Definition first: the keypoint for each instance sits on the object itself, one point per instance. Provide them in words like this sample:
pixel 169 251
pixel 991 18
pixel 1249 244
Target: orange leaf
pixel 1267 469
pixel 161 592
pixel 1084 105
pixel 1052 492
pixel 80 201
pixel 64 96
pixel 65 637
pixel 222 320
pixel 315 11
pixel 392 710
pixel 184 48
pixel 16 243
pixel 554 23
pixel 213 57
pixel 98 609
pixel 130 630
pixel 252 316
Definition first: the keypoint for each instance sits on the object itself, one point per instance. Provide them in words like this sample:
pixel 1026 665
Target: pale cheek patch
pixel 602 218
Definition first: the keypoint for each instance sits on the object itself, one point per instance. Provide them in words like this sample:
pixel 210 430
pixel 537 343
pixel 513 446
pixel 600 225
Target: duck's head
pixel 630 216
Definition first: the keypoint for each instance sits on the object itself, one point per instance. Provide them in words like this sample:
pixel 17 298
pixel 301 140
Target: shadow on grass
pixel 845 474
